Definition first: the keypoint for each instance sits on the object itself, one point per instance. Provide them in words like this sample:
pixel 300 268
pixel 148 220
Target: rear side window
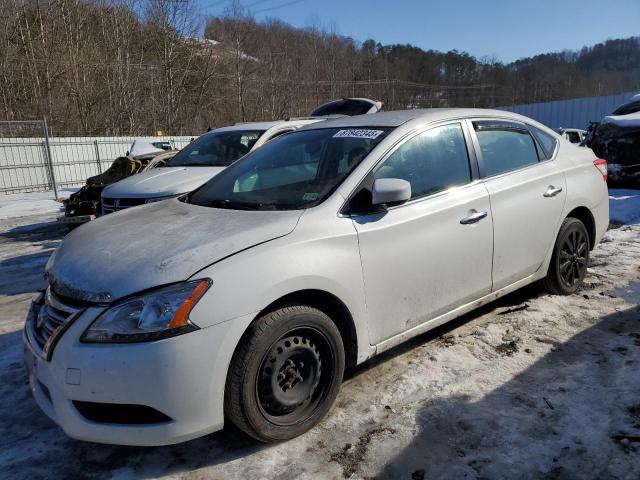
pixel 431 161
pixel 505 146
pixel 548 143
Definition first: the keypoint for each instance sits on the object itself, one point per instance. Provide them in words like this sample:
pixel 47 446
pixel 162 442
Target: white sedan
pixel 246 299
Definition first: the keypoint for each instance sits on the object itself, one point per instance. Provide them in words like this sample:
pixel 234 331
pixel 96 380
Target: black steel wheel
pixel 291 382
pixel 570 258
pixel 285 374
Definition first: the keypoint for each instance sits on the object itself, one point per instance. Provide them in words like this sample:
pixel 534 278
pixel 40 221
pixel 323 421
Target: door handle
pixel 475 217
pixel 552 191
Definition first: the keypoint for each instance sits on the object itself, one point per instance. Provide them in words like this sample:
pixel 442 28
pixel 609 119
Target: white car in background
pixel 245 300
pixel 195 164
pixel 212 152
pixel 574 135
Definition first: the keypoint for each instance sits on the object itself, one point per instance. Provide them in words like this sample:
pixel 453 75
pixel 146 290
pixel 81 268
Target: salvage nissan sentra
pixel 248 298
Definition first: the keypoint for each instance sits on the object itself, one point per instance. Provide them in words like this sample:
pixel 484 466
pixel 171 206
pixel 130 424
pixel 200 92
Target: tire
pixel 570 259
pixel 285 374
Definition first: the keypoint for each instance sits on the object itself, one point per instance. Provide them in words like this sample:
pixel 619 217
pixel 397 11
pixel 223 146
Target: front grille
pixel 53 314
pixel 110 205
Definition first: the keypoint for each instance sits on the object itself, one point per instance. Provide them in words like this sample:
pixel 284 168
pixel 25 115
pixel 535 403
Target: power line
pixel 256 3
pixel 279 6
pixel 214 4
pixel 222 2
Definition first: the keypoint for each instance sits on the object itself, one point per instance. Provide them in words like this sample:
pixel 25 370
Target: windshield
pixel 295 171
pixel 216 149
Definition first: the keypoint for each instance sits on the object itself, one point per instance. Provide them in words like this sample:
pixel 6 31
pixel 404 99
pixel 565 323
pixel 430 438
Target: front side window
pixel 431 161
pixel 216 149
pixel 295 171
pixel 505 146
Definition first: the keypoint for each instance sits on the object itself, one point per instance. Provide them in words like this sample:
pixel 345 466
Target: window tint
pixel 505 146
pixel 548 143
pixel 431 161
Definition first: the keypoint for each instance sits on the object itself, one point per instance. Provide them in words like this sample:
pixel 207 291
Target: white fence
pixel 573 113
pixel 24 161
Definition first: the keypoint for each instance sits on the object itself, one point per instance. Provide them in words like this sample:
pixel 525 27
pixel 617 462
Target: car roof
pixel 399 117
pixel 266 125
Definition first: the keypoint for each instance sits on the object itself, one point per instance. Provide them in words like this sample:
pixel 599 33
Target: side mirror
pixel 390 191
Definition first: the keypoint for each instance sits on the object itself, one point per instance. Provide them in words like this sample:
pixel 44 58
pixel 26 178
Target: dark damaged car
pixel 617 139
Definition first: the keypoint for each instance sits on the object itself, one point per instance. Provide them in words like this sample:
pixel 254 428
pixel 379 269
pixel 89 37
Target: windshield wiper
pixel 230 204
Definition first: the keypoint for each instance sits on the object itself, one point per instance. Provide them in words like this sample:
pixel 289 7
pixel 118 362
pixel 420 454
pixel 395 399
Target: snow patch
pixel 23 204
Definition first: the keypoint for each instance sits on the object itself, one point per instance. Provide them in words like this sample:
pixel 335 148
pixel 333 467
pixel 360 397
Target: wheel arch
pixel 333 307
pixel 586 217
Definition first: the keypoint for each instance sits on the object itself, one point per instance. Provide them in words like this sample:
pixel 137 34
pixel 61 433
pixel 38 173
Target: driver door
pixel 424 258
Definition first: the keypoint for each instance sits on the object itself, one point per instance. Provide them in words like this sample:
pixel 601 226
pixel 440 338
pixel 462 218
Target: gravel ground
pixel 533 386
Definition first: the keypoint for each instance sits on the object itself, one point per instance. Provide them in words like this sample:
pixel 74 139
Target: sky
pixel 506 29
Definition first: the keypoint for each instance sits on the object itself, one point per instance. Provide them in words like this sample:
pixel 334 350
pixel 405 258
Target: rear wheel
pixel 285 374
pixel 570 259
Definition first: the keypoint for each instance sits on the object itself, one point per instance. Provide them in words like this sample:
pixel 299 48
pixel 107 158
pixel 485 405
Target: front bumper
pixel 80 219
pixel 182 377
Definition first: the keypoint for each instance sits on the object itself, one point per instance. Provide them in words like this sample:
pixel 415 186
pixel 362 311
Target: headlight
pixel 158 314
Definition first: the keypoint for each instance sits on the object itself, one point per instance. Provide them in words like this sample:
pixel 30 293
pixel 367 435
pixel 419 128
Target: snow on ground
pixel 22 204
pixel 532 386
pixel 624 206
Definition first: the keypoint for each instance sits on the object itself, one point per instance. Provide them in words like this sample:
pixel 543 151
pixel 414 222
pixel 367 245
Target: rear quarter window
pixel 549 143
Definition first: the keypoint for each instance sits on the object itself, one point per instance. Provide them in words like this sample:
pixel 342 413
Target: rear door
pixel 527 192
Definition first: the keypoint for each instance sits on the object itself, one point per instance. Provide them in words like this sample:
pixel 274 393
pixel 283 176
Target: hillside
pixel 93 67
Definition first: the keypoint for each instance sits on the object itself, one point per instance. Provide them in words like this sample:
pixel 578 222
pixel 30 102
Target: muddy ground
pixel 533 386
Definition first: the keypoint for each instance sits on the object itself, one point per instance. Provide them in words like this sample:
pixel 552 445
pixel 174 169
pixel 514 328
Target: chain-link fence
pixel 31 160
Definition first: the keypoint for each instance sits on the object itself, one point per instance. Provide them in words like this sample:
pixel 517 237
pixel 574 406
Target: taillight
pixel 601 165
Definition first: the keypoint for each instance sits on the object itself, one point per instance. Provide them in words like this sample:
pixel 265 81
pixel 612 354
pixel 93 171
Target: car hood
pixel 631 120
pixel 155 244
pixel 161 182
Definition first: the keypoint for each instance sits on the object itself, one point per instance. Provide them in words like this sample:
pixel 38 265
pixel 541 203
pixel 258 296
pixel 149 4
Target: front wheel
pixel 285 374
pixel 570 259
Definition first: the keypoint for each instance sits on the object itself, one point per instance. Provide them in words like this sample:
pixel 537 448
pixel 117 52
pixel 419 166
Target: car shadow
pixel 512 302
pixel 574 413
pixel 36 232
pixel 32 244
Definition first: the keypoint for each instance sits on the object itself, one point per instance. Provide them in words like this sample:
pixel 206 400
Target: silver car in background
pixel 245 300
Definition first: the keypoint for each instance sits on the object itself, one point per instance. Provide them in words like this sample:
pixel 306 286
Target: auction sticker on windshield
pixel 358 134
